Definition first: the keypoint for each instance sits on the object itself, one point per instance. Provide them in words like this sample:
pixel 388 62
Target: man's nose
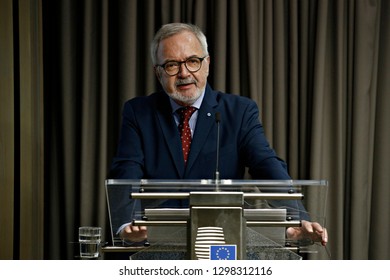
pixel 183 71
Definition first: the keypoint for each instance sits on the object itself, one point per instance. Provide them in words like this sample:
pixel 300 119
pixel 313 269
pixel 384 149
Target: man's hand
pixel 308 230
pixel 134 233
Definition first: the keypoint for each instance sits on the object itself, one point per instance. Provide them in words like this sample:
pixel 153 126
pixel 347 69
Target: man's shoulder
pixel 146 105
pixel 146 98
pixel 233 98
pixel 151 100
pixel 227 96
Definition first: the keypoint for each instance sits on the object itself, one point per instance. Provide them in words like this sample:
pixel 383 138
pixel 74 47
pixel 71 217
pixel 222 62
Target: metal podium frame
pixel 216 211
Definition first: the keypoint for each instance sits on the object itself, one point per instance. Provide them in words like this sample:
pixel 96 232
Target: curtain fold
pixel 317 70
pixel 380 214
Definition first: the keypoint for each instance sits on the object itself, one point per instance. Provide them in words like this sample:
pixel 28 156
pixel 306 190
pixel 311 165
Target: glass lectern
pixel 214 219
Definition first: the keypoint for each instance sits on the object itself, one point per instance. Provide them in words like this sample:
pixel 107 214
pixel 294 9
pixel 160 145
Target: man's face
pixel 184 87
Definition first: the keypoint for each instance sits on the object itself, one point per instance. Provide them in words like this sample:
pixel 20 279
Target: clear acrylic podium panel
pixel 264 201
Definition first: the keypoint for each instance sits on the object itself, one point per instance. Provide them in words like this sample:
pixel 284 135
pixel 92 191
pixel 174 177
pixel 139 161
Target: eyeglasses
pixel 193 64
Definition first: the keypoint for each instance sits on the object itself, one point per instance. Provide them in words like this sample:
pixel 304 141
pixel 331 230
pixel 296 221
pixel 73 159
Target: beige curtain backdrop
pixel 319 71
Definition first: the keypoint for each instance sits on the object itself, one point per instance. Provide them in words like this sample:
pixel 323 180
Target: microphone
pixel 217 120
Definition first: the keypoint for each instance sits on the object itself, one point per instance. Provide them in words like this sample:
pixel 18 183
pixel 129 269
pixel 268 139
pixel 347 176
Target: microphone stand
pixel 217 179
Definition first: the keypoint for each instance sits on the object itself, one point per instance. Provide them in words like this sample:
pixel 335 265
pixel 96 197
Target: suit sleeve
pixel 127 164
pixel 261 159
pixel 263 162
pixel 129 160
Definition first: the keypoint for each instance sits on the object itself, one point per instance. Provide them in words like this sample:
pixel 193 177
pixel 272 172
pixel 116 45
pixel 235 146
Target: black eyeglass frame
pixel 180 63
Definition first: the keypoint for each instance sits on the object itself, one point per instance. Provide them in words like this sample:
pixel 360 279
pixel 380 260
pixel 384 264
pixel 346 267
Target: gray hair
pixel 171 29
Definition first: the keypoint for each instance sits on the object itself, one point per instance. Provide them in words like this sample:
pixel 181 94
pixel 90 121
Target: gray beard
pixel 185 99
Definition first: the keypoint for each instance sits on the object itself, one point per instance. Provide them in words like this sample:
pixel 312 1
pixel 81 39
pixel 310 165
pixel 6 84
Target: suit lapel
pixel 170 132
pixel 206 120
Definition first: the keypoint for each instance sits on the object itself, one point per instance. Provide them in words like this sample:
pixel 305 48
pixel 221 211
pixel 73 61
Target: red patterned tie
pixel 185 114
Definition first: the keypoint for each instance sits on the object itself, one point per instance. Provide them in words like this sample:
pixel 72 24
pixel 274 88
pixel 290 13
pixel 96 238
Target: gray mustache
pixel 185 81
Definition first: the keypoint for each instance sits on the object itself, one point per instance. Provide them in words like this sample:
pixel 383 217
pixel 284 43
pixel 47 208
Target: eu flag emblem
pixel 223 252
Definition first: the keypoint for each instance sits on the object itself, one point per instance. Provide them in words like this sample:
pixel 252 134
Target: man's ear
pixel 208 64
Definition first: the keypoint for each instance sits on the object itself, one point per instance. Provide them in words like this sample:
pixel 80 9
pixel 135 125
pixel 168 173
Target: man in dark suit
pixel 150 143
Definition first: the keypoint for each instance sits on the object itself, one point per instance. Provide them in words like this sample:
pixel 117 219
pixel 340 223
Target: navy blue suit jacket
pixel 150 145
